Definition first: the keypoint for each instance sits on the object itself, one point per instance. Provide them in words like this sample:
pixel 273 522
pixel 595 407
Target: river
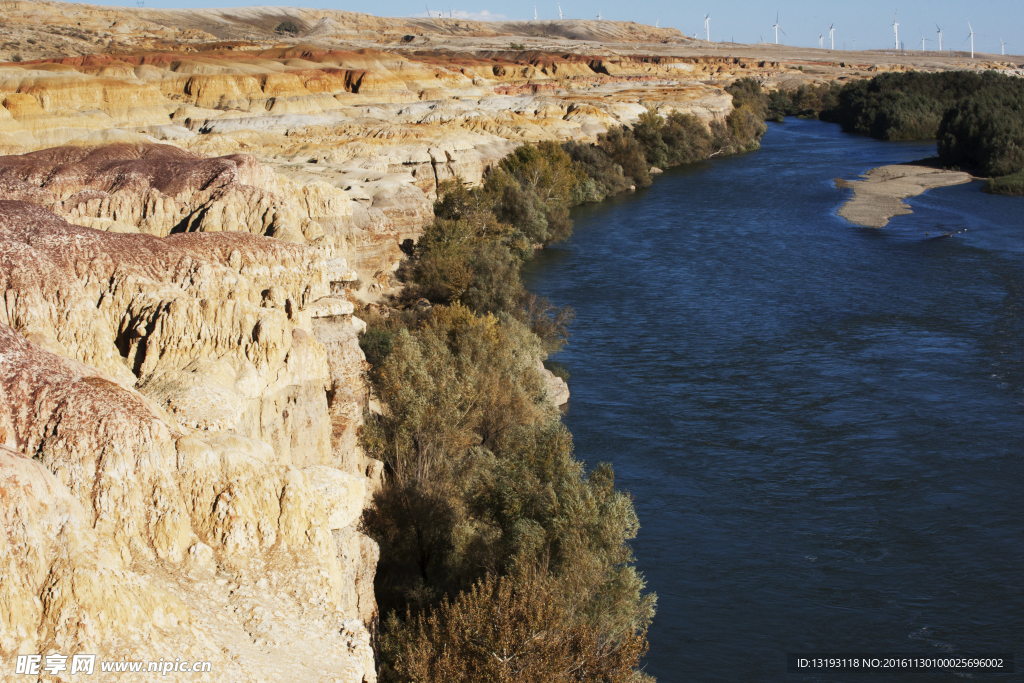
pixel 821 424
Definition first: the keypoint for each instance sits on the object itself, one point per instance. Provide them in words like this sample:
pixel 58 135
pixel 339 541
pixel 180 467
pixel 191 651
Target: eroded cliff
pixel 177 457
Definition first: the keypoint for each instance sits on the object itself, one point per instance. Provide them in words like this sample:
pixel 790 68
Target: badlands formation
pixel 192 207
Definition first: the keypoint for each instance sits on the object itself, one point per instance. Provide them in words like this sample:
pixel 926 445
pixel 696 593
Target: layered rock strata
pixel 177 481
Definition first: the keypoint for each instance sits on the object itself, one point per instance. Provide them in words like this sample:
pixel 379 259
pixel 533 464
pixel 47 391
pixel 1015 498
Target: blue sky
pixel 868 23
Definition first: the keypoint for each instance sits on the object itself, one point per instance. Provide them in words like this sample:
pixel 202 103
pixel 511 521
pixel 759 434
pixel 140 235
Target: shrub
pixel 496 286
pixel 1009 184
pixel 687 138
pixel 558 370
pixel 624 150
pixel 507 631
pixel 648 132
pixel 287 27
pixel 747 92
pixel 605 175
pixel 548 322
pixel 807 101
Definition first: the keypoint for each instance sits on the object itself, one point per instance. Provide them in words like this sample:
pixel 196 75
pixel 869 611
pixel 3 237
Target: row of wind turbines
pixel 821 37
pixel 938 29
pixel 896 33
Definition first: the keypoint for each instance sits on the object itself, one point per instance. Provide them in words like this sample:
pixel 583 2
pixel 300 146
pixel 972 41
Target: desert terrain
pixel 192 205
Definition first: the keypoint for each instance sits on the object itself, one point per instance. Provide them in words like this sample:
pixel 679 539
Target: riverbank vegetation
pixel 977 119
pixel 504 558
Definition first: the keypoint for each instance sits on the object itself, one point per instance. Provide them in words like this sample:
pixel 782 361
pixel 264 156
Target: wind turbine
pixel 972 38
pixel 559 11
pixel 832 36
pixel 940 36
pixel 896 28
pixel 820 40
pixel 1002 45
pixel 777 29
pixel 922 43
pixel 658 21
pixel 535 13
pixel 707 29
pixel 599 17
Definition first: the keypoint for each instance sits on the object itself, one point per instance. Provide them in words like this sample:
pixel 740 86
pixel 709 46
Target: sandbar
pixel 879 196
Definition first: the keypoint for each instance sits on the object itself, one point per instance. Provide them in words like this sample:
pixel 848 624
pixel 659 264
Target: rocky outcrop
pixel 166 447
pixel 160 189
pixel 556 387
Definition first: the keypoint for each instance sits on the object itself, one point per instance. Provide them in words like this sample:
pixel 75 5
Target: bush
pixel 548 322
pixel 624 150
pixel 287 27
pixel 1009 184
pixel 557 369
pixel 808 101
pixel 747 93
pixel 687 138
pixel 605 175
pixel 505 631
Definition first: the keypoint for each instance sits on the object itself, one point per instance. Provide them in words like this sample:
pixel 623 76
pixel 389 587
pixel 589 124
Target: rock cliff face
pixel 327 145
pixel 178 471
pixel 310 143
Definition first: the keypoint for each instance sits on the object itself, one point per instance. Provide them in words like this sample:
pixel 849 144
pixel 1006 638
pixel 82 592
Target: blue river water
pixel 821 424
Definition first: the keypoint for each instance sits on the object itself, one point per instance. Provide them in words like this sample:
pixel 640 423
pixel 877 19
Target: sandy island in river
pixel 879 196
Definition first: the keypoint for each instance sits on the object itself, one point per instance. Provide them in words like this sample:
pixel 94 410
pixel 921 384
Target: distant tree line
pixel 977 119
pixel 504 558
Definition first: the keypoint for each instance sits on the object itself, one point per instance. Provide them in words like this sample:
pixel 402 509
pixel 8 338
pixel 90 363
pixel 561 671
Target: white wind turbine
pixel 821 39
pixel 658 21
pixel 922 43
pixel 1002 45
pixel 707 27
pixel 971 36
pixel 559 11
pixel 599 17
pixel 832 36
pixel 535 13
pixel 940 36
pixel 777 29
pixel 896 29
